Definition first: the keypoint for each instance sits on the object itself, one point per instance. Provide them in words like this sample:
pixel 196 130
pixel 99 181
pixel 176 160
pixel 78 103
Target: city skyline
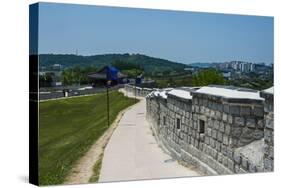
pixel 180 36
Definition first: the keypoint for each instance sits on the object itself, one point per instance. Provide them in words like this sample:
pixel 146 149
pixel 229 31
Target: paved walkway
pixel 133 154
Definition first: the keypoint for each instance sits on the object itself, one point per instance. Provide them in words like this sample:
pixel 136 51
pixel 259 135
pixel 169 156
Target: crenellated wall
pixel 220 130
pixel 138 91
pixel 269 129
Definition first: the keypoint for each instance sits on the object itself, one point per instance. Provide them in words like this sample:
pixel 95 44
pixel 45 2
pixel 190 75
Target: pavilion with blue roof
pixel 108 73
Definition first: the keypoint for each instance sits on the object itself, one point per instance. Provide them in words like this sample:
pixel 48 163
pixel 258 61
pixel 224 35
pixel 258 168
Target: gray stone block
pixel 252 168
pixel 214 106
pixel 236 132
pixel 268 136
pixel 195 124
pixel 258 134
pixel 209 104
pixel 202 110
pixel 216 124
pixel 209 132
pixel 233 142
pixel 230 165
pixel 226 108
pixel 224 117
pixel 218 146
pixel 229 153
pixel 202 137
pixel 244 163
pixel 205 102
pixel 193 108
pixel 207 111
pixel 260 123
pixel 212 142
pixel 269 123
pixel 212 113
pixel 239 121
pixel 227 129
pixel 245 111
pixel 237 158
pixel 191 141
pixel 223 149
pixel 219 136
pixel 259 169
pixel 220 157
pixel 218 115
pixel 230 119
pixel 268 164
pixel 220 107
pixel 221 129
pixel 234 109
pixel 210 123
pixel 271 152
pixel 207 140
pixel 214 134
pixel 258 111
pixel 251 122
pixel 237 169
pixel 224 160
pixel 197 135
pixel 214 154
pixel 196 143
pixel 201 145
pixel 194 134
pixel 225 140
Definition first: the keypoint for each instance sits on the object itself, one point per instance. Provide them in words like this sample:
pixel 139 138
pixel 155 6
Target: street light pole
pixel 136 86
pixel 107 96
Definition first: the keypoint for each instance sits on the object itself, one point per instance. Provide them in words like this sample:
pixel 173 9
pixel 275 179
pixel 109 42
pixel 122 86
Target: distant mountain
pixel 149 64
pixel 201 65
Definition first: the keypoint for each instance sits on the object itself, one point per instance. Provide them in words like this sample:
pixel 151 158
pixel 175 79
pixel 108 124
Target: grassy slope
pixel 68 128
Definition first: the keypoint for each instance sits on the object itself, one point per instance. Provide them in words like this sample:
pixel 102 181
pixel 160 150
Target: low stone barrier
pixel 138 91
pixel 269 130
pixel 219 134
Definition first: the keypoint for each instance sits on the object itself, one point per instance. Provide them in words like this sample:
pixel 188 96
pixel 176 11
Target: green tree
pixel 45 80
pixel 207 77
pixel 130 68
pixel 77 75
pixel 67 77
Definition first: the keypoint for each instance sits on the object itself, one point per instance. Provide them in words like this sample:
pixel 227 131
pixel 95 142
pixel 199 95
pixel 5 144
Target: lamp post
pixel 136 86
pixel 107 95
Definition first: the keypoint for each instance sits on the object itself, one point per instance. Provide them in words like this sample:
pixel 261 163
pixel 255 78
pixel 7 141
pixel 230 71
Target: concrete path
pixel 133 154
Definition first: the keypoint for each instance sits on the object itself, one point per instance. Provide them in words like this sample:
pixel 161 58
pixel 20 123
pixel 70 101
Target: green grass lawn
pixel 67 129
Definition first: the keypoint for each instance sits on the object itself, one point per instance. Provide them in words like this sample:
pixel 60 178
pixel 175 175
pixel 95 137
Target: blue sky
pixel 180 36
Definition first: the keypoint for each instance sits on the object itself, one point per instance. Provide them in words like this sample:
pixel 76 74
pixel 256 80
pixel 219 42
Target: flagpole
pixel 136 86
pixel 107 96
pixel 108 81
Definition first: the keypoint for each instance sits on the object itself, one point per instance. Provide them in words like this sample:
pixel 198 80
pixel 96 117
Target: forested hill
pixel 149 64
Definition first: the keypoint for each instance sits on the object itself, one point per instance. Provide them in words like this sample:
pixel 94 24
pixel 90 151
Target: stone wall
pixel 218 135
pixel 268 131
pixel 138 91
pixel 229 124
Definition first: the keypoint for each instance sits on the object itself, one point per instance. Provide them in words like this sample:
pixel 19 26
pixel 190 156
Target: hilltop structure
pixel 219 129
pixel 107 73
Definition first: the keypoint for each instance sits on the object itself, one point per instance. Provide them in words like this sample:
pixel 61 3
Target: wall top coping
pixel 269 90
pixel 230 92
pixel 180 93
pixel 160 93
